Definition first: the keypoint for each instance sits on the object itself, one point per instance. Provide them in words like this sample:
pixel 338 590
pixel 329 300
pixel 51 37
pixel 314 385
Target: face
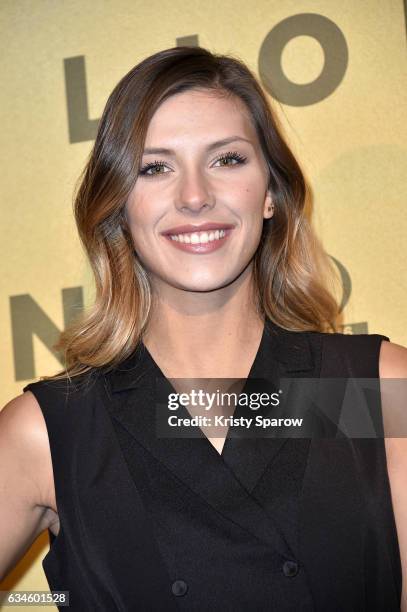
pixel 197 208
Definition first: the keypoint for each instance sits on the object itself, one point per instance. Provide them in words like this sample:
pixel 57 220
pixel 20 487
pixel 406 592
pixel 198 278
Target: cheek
pixel 250 191
pixel 140 217
pixel 251 202
pixel 251 213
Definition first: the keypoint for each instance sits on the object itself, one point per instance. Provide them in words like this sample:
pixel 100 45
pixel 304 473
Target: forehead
pixel 197 114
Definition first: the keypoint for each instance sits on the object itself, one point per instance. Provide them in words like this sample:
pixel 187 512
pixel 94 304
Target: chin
pixel 203 285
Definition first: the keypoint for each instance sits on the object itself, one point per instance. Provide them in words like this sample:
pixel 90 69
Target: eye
pixel 232 155
pixel 145 170
pixel 157 167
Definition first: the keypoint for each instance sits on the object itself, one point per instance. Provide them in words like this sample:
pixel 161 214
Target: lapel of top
pixel 282 354
pixel 224 481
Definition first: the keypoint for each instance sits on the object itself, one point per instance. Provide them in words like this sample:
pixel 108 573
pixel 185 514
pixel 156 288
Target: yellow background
pixel 351 145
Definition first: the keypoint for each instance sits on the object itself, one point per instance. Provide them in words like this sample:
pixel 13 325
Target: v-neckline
pixel 226 480
pixel 256 369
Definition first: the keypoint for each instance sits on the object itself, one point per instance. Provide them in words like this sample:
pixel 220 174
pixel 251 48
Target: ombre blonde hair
pixel 291 271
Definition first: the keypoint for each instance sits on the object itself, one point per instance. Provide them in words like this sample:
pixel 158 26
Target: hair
pixel 290 269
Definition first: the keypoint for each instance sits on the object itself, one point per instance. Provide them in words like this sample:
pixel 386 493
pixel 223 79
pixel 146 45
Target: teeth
pixel 199 238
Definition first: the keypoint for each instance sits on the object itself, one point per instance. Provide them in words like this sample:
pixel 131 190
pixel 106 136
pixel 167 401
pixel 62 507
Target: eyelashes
pixel 159 164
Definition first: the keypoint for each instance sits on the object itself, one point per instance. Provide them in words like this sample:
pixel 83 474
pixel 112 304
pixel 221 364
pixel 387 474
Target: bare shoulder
pixel 25 445
pixel 22 422
pixel 392 360
pixel 393 364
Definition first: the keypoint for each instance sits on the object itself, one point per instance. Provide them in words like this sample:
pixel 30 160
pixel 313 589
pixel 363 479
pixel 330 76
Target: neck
pixel 204 334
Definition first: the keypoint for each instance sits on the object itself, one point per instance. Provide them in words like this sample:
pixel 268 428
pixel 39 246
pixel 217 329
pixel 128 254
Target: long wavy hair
pixel 291 271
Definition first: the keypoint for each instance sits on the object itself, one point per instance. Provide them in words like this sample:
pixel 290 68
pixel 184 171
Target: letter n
pixel 29 319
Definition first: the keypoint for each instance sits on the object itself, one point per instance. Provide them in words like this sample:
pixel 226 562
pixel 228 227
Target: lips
pixel 199 239
pixel 188 229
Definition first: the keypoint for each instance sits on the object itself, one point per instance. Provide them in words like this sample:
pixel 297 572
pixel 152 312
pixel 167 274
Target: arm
pixel 393 364
pixel 25 468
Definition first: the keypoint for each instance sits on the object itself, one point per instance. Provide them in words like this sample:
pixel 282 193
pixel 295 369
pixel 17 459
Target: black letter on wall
pixel 333 43
pixel 27 319
pixel 81 128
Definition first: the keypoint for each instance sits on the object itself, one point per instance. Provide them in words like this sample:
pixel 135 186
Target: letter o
pixel 335 49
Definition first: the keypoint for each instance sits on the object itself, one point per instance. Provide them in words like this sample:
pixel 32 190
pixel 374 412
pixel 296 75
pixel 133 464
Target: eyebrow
pixel 214 145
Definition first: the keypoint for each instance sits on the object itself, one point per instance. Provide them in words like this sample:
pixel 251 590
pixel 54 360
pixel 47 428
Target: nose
pixel 194 192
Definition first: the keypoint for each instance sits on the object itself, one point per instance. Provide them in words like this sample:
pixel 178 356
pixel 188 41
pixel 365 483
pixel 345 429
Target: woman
pixel 191 210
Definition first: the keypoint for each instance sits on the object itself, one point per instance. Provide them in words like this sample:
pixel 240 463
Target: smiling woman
pixel 188 143
pixel 191 209
pixel 203 182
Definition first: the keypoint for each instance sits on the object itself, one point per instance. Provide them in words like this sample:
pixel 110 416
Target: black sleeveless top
pixel 280 525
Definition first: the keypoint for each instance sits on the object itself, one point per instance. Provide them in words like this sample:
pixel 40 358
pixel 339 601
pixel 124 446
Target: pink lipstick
pixel 204 238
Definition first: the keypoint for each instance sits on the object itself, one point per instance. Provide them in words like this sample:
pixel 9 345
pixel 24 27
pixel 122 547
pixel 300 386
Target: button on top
pixel 290 568
pixel 179 588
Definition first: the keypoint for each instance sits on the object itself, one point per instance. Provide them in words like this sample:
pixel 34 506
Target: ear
pixel 268 211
